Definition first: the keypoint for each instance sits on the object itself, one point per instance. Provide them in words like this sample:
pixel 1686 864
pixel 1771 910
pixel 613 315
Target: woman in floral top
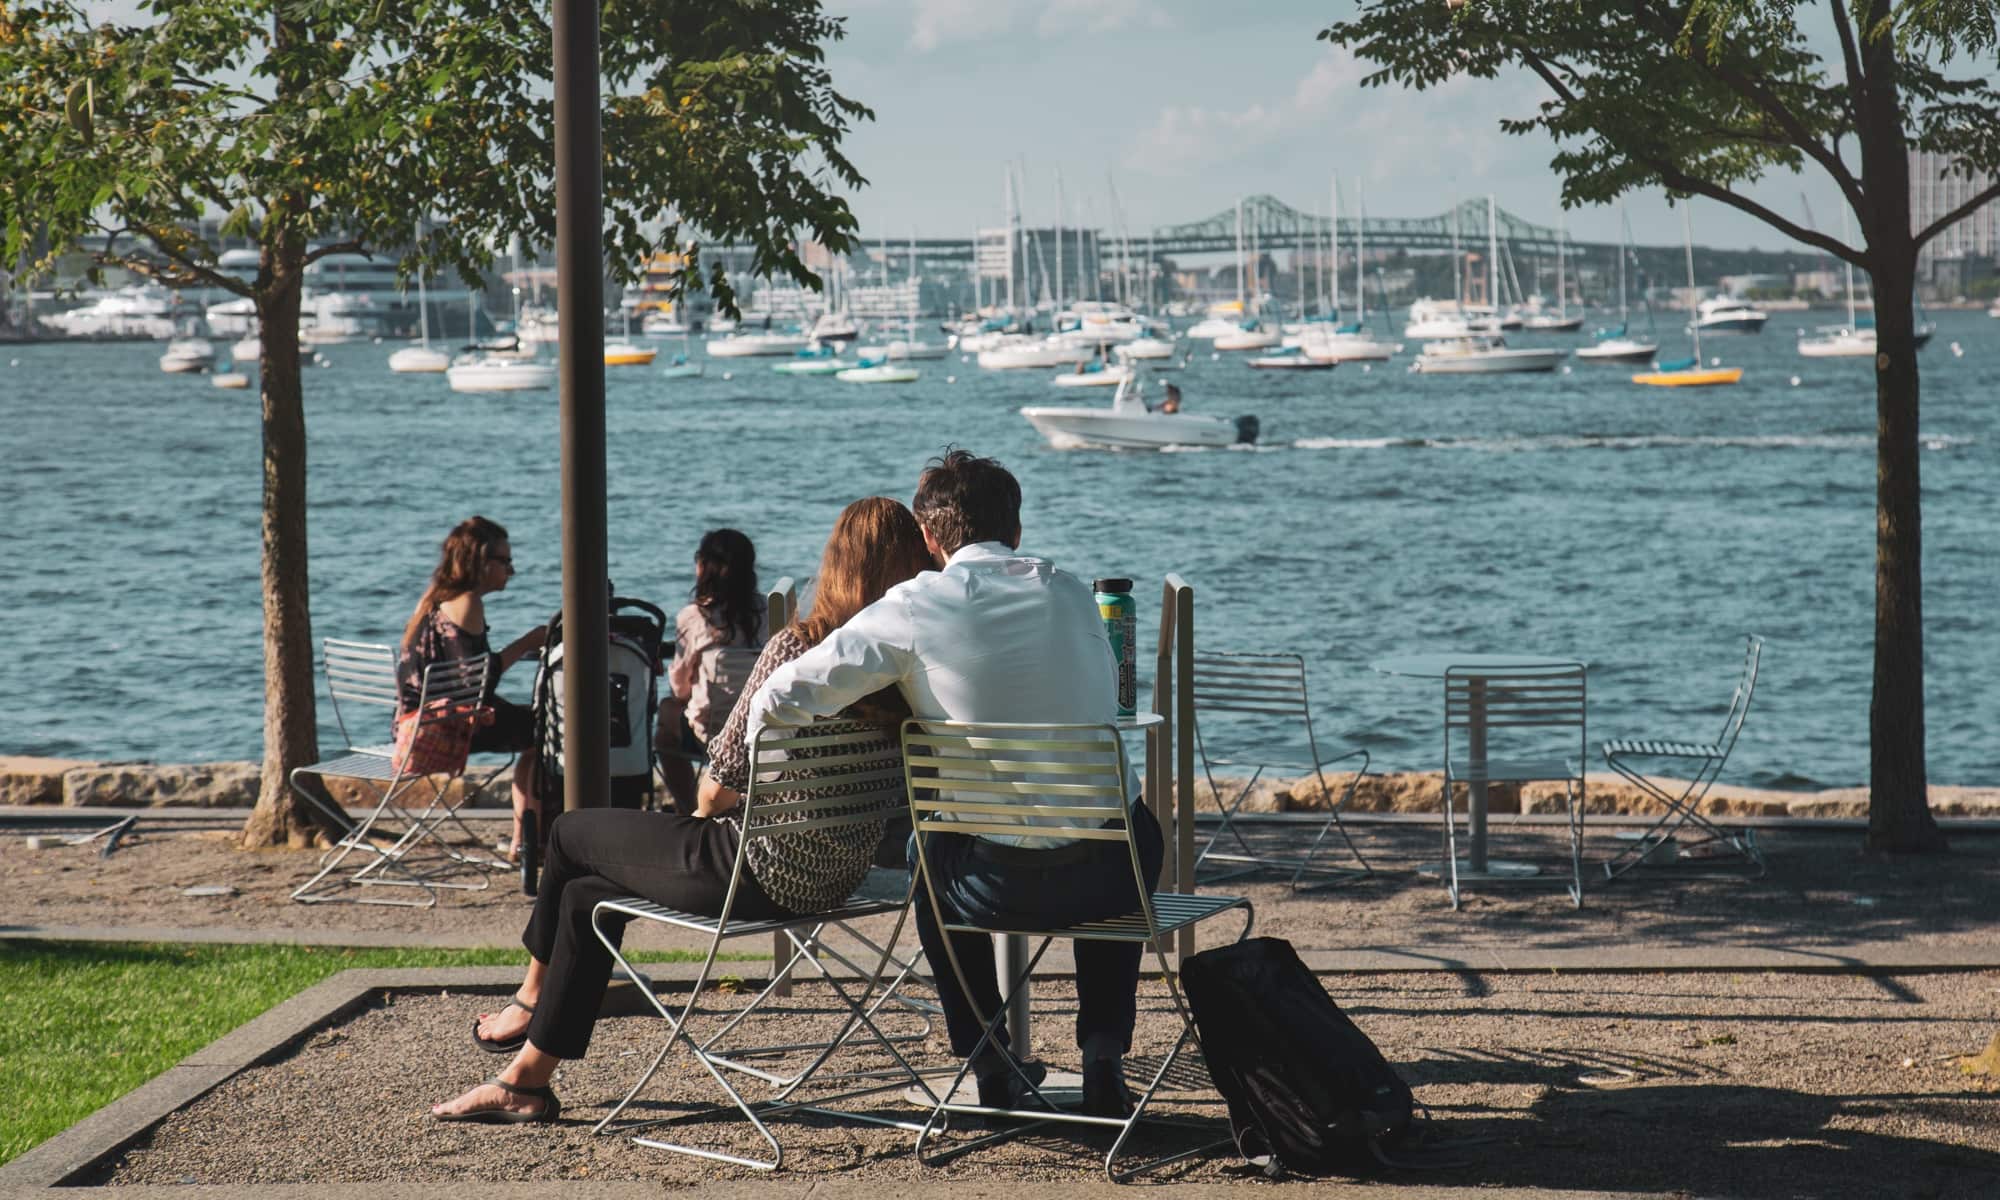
pixel 685 862
pixel 474 561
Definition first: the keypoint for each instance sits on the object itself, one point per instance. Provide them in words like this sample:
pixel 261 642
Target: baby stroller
pixel 637 630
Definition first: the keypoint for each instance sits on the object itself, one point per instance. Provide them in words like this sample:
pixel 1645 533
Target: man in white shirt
pixel 994 635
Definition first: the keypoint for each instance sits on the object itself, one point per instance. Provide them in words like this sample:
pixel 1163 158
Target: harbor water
pixel 1642 530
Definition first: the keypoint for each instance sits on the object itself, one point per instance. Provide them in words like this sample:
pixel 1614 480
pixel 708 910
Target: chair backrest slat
pixel 1001 779
pixel 1528 698
pixel 1258 685
pixel 359 674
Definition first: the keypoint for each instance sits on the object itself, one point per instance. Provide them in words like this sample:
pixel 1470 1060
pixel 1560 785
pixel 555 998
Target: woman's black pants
pixel 599 854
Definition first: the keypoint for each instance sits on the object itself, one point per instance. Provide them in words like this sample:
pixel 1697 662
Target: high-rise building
pixel 1935 192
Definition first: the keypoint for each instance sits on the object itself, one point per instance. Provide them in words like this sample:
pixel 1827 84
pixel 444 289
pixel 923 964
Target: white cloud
pixel 1186 136
pixel 936 23
pixel 1063 17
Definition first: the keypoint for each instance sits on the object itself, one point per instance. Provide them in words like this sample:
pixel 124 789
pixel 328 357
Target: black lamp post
pixel 579 172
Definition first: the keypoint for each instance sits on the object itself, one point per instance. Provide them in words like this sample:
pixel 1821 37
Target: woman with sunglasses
pixel 450 623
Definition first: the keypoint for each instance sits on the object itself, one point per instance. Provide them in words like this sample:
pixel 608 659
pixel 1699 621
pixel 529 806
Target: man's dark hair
pixel 963 498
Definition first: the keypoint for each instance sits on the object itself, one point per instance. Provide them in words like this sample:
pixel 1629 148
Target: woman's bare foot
pixel 506 1025
pixel 488 1097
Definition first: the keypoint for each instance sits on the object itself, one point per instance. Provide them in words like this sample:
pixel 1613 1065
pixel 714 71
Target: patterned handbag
pixel 440 743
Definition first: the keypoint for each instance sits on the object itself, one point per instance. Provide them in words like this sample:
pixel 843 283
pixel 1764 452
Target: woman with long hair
pixel 475 560
pixel 683 861
pixel 724 611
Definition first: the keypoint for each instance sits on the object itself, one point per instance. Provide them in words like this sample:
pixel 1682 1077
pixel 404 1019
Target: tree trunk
pixel 1899 816
pixel 291 732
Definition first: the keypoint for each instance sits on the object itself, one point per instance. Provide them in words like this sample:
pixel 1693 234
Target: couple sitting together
pixel 938 612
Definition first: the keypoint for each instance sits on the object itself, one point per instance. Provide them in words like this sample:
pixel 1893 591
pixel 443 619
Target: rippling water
pixel 1576 514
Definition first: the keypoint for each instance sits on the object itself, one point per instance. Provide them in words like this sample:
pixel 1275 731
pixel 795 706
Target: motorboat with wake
pixel 1290 358
pixel 1134 423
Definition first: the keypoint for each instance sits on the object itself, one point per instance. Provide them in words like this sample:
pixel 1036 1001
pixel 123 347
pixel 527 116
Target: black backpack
pixel 1307 1091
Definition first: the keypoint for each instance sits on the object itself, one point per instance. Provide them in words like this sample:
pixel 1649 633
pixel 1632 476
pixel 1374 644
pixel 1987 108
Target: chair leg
pixel 1573 801
pixel 1228 811
pixel 1450 846
pixel 1333 821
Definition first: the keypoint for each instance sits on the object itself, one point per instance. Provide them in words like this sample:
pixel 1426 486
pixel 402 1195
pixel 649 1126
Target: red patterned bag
pixel 440 743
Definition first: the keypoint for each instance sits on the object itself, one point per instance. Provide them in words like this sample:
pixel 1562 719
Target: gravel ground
pixel 1820 890
pixel 1752 1085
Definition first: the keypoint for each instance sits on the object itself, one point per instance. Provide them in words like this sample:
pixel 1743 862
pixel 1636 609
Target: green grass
pixel 82 1023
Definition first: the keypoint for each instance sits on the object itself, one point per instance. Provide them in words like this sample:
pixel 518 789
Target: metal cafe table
pixel 1476 866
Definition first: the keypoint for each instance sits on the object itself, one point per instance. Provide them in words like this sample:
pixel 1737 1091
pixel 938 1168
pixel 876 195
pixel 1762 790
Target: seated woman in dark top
pixel 682 861
pixel 450 622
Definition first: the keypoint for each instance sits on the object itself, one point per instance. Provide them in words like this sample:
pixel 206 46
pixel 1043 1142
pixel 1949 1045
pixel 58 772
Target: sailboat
pixel 1560 321
pixel 421 358
pixel 1483 353
pixel 1349 341
pixel 1689 372
pixel 1856 339
pixel 1616 344
pixel 623 353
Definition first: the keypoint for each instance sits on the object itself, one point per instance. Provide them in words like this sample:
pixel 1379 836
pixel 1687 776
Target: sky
pixel 1182 107
pixel 1185 105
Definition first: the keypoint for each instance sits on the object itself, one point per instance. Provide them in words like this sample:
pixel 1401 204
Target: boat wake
pixel 1506 444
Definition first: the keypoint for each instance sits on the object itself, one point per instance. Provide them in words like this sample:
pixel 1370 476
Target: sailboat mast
pixel 1492 258
pixel 1687 247
pixel 1562 283
pixel 1360 284
pixel 1624 240
pixel 1333 245
pixel 1850 270
pixel 1457 265
pixel 1007 213
pixel 1241 305
pixel 1059 216
pixel 423 301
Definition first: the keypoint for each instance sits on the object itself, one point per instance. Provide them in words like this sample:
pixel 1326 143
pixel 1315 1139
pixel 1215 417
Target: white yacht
pixel 188 356
pixel 1224 317
pixel 330 318
pixel 835 327
pixel 133 312
pixel 1729 314
pixel 1099 323
pixel 879 372
pixel 498 373
pixel 232 318
pixel 1096 374
pixel 1132 423
pixel 1481 355
pixel 1019 351
pixel 249 349
pixel 1251 337
pixel 752 345
pixel 1616 344
pixel 1436 319
pixel 1146 349
pixel 1323 342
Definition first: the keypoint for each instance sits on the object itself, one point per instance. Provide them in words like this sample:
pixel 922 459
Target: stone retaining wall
pixel 234 785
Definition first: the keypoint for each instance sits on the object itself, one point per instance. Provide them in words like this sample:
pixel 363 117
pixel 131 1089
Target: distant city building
pixel 1934 193
pixel 1743 285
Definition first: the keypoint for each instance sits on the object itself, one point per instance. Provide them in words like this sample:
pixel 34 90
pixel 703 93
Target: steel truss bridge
pixel 1279 228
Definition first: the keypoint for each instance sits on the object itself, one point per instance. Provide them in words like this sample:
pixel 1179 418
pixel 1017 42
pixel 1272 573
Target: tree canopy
pixel 344 121
pixel 1701 97
pixel 314 127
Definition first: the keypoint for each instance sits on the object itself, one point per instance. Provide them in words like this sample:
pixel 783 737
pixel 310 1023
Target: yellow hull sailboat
pixel 1690 377
pixel 1689 372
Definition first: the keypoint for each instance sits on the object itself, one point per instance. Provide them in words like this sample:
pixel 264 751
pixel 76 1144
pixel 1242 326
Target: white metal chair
pixel 791 774
pixel 1060 781
pixel 362 676
pixel 1272 689
pixel 1703 761
pixel 1536 711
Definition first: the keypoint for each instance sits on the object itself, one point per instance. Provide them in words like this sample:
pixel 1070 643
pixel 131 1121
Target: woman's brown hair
pixel 461 566
pixel 876 544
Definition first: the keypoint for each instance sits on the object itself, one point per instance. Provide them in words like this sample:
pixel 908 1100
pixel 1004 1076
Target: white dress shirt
pixel 995 636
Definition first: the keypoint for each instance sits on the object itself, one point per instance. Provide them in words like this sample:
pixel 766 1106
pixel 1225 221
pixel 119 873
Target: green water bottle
pixel 1121 625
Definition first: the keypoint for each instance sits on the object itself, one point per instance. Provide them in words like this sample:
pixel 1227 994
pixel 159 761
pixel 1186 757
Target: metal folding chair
pixel 1536 710
pixel 1682 799
pixel 362 675
pixel 1059 781
pixel 791 772
pixel 1271 688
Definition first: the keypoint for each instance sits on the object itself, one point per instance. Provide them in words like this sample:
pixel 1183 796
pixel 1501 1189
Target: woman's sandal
pixel 550 1110
pixel 510 1045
